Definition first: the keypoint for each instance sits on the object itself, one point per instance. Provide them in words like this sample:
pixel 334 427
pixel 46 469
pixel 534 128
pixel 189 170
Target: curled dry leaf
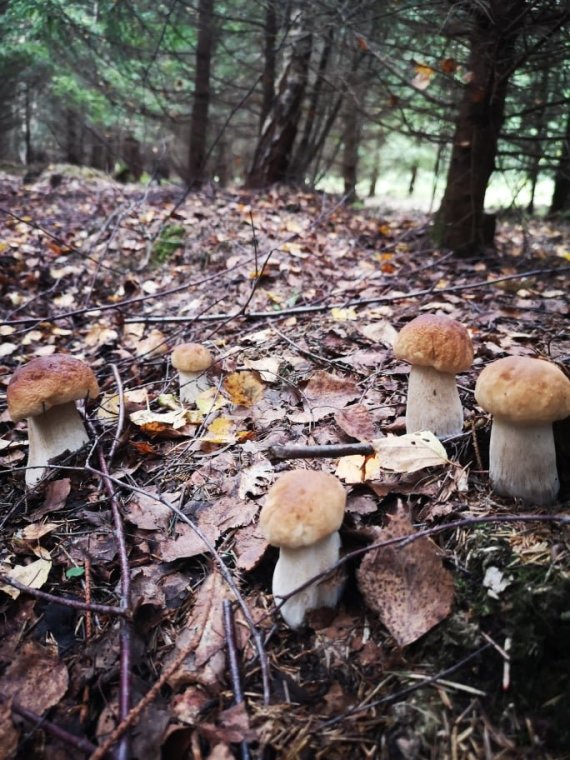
pixel 33 575
pixel 410 452
pixel 407 587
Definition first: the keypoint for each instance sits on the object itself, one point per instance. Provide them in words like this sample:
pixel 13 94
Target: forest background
pixel 430 100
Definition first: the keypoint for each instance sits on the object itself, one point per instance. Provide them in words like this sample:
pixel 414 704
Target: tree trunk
pixel 195 175
pixel 72 152
pixel 460 225
pixel 272 156
pixel 561 194
pixel 268 80
pixel 351 140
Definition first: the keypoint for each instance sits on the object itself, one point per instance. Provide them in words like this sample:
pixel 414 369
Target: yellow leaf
pixel 358 469
pixel 344 315
pixel 33 575
pixel 210 400
pixel 243 388
pixel 221 430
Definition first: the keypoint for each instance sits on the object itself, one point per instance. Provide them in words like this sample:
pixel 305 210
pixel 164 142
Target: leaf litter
pixel 303 377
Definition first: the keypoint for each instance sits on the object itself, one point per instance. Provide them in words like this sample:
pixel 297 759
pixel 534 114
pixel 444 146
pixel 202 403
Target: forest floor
pixel 299 299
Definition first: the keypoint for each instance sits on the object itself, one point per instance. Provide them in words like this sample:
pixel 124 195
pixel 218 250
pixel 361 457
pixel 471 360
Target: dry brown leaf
pixel 8 731
pixel 325 394
pixel 249 547
pixel 232 727
pixel 36 678
pixel 33 575
pixel 204 634
pixel 356 421
pixel 408 587
pixel 144 511
pixel 255 479
pixel 56 493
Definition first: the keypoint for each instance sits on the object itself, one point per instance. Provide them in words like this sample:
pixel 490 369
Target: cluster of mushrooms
pixel 304 509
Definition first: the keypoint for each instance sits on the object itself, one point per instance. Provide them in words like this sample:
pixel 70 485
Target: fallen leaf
pixel 8 732
pixel 268 368
pixel 410 452
pixel 356 421
pixel 325 394
pixel 35 531
pixel 36 678
pixel 255 479
pixel 407 587
pixel 221 430
pixel 232 726
pixel 243 388
pixel 33 575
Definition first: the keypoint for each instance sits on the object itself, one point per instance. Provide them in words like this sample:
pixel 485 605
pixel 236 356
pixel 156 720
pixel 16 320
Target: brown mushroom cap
pixel 432 340
pixel 191 357
pixel 49 381
pixel 302 507
pixel 524 390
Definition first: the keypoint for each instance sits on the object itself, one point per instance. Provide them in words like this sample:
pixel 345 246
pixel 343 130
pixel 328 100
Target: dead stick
pixel 64 736
pixel 234 665
pixel 333 451
pixel 77 604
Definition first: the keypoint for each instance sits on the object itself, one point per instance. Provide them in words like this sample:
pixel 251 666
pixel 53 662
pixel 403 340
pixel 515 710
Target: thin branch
pixel 230 635
pixel 347 304
pixel 78 742
pixel 76 604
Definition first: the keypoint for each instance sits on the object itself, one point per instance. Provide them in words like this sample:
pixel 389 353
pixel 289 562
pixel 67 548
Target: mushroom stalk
pixel 57 430
pixel 191 385
pixel 522 461
pixel 297 566
pixel 433 402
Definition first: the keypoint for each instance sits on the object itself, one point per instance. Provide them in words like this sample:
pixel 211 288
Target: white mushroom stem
pixel 295 567
pixel 50 434
pixel 192 384
pixel 522 461
pixel 433 402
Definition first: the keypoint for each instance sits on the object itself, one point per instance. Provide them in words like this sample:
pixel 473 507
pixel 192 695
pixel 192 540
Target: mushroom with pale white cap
pixel 437 347
pixel 525 396
pixel 191 360
pixel 44 391
pixel 302 514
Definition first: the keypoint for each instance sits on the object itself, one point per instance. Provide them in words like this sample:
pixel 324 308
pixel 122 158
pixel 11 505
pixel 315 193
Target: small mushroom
pixel 525 396
pixel 302 514
pixel 438 348
pixel 191 360
pixel 44 391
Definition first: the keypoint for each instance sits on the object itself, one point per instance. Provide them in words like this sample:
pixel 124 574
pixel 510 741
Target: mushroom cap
pixel 432 340
pixel 49 381
pixel 191 357
pixel 524 390
pixel 302 507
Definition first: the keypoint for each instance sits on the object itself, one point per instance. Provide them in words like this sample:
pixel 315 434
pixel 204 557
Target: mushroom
pixel 44 391
pixel 438 348
pixel 191 360
pixel 525 396
pixel 302 514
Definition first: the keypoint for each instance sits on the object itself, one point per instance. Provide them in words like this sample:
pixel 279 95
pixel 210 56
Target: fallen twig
pixel 229 632
pixel 347 304
pixel 78 742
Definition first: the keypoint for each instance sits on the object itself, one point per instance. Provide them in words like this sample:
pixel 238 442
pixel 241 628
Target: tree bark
pixel 270 62
pixel 273 152
pixel 561 194
pixel 461 225
pixel 196 169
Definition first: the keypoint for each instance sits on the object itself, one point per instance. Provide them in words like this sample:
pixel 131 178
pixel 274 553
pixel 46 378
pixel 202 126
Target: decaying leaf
pixel 255 479
pixel 407 587
pixel 36 678
pixel 8 732
pixel 232 727
pixel 268 367
pixel 243 388
pixel 203 635
pixel 325 394
pixel 356 421
pixel 410 452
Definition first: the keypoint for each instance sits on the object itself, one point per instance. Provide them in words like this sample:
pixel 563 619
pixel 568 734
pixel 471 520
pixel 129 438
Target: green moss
pixel 170 240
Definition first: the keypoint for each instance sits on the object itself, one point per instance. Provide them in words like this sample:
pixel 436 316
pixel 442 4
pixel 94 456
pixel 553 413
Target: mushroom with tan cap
pixel 191 360
pixel 438 348
pixel 525 396
pixel 302 515
pixel 44 391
